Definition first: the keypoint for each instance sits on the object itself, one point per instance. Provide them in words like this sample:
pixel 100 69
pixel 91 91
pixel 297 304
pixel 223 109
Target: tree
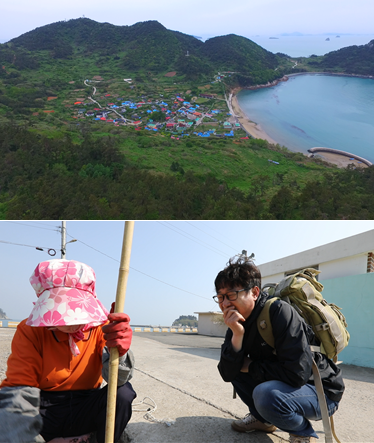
pixel 186 320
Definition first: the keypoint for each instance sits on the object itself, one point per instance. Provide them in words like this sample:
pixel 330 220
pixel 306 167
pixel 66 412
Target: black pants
pixel 74 413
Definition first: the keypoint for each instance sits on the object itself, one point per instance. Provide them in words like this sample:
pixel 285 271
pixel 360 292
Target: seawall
pixel 346 154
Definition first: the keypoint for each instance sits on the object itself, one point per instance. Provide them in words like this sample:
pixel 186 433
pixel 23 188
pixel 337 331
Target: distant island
pixel 186 320
pixel 273 38
pixel 3 314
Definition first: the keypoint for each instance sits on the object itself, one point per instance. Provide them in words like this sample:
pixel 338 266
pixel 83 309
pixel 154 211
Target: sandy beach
pixel 256 131
pixel 251 127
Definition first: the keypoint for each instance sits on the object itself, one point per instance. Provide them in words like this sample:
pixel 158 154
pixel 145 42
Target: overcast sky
pixel 196 17
pixel 173 264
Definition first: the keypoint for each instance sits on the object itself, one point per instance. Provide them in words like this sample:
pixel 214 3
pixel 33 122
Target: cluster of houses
pixel 179 116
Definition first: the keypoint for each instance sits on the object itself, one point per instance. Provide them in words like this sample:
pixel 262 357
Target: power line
pixel 38 227
pixel 210 235
pixel 50 251
pixel 201 242
pixel 147 275
pixel 221 234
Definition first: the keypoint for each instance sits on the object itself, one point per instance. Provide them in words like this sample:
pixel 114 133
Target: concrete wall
pixel 355 295
pixel 211 323
pixel 337 259
pixel 343 267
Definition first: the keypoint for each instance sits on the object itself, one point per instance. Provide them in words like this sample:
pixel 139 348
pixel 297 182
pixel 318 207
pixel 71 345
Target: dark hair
pixel 239 271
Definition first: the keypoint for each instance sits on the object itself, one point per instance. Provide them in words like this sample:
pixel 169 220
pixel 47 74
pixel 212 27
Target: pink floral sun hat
pixel 66 295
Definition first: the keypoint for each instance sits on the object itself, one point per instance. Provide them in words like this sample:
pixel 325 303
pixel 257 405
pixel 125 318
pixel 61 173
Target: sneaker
pixel 250 423
pixel 301 439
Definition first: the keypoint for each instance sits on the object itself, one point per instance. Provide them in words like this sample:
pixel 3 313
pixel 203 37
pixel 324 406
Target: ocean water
pixel 316 111
pixel 306 45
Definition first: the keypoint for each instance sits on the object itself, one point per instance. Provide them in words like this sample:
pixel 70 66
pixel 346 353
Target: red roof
pixel 103 118
pixel 107 95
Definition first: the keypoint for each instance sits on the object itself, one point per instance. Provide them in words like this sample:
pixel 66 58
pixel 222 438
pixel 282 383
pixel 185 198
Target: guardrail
pixel 163 329
pixel 8 323
pixel 13 324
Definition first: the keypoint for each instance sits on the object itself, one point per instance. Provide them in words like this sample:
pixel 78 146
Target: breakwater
pixel 337 151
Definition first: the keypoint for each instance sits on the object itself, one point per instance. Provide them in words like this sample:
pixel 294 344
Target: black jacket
pixel 292 360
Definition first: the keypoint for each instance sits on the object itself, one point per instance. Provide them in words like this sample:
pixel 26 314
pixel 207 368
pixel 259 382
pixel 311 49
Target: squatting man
pixel 278 386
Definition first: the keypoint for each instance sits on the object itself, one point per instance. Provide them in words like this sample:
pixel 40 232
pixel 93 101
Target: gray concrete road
pixel 178 373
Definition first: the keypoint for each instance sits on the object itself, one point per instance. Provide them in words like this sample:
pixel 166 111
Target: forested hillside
pixel 357 60
pixel 42 178
pixel 145 46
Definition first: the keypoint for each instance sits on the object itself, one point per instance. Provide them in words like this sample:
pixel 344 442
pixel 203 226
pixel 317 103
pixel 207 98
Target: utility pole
pixel 63 240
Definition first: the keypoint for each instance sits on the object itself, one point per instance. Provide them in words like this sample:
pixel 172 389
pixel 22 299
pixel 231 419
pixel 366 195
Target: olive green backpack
pixel 303 292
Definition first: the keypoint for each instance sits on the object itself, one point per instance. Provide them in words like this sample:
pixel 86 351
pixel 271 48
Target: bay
pixel 314 110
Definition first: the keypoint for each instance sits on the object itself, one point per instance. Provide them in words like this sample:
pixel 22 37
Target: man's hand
pixel 118 333
pixel 234 320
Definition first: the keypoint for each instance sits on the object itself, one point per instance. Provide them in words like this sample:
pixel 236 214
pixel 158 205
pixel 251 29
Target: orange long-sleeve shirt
pixel 42 359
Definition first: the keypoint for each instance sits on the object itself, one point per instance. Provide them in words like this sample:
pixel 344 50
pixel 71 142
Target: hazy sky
pixel 173 264
pixel 208 17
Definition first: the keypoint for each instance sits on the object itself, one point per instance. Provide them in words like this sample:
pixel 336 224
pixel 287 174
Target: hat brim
pixel 67 307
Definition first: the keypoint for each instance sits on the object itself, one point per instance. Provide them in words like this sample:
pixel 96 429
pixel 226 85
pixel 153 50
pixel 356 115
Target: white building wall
pixel 344 267
pixel 333 269
pixel 211 323
pixel 337 259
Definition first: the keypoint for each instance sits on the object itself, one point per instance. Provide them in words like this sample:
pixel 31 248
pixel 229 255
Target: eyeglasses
pixel 231 296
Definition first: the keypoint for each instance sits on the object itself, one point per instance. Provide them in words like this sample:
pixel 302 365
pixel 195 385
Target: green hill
pixel 358 60
pixel 352 60
pixel 146 46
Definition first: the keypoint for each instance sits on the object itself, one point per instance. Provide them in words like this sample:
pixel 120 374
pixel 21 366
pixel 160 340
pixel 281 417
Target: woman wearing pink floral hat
pixel 59 359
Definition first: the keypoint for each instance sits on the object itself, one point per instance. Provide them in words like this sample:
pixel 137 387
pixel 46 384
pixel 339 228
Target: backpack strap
pixel 264 323
pixel 322 404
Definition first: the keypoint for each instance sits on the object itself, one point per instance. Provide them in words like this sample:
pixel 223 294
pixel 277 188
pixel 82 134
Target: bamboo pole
pixel 114 357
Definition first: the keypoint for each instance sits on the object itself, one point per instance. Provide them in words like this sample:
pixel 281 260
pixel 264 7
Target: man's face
pixel 245 302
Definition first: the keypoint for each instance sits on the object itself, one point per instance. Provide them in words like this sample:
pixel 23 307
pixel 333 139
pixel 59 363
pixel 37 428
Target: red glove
pixel 118 332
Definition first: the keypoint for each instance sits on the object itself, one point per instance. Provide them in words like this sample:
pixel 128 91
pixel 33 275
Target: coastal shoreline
pixel 252 128
pixel 256 131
